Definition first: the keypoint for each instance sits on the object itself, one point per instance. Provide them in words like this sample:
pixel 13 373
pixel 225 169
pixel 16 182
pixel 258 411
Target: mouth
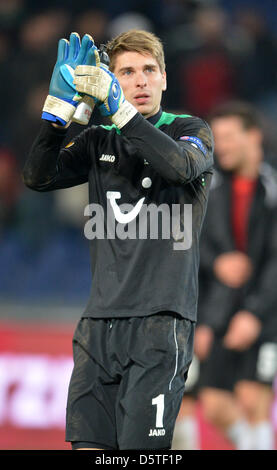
pixel 142 98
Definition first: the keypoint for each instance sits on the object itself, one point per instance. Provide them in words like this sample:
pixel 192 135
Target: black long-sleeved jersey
pixel 159 163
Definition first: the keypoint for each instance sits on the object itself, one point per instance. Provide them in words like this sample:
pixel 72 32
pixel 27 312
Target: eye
pixel 150 69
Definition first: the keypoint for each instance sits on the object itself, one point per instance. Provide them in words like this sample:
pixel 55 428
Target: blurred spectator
pixel 209 59
pixel 236 338
pixel 11 13
pixel 35 215
pixel 175 13
pixel 41 31
pixel 70 205
pixel 95 22
pixel 33 59
pixel 4 47
pixel 201 64
pixel 257 70
pixel 113 8
pixel 9 188
pixel 5 51
pixel 266 8
pixel 35 221
pixel 27 120
pixel 129 20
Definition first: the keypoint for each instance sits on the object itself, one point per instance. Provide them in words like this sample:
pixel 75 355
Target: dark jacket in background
pixel 217 302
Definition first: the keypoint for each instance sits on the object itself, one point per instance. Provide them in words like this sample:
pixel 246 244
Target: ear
pixel 256 136
pixel 164 81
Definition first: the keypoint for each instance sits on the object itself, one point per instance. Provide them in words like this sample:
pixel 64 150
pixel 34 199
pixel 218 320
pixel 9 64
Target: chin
pixel 226 165
pixel 143 109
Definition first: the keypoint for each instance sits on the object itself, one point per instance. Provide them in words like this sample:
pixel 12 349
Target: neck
pixel 154 117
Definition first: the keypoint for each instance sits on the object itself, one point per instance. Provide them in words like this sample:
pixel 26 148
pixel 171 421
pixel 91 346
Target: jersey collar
pixel 154 119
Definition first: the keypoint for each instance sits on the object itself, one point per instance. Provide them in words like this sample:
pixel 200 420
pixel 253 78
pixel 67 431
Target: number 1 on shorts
pixel 159 402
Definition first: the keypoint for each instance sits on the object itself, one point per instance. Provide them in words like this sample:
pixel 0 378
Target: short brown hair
pixel 246 112
pixel 136 40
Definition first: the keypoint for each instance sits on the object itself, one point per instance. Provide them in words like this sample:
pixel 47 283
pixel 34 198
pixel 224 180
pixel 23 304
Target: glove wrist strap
pixel 124 114
pixel 60 108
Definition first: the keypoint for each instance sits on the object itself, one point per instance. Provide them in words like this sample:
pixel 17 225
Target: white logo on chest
pixel 107 158
pixel 120 216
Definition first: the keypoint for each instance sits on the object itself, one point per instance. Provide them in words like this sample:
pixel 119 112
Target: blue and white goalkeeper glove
pixel 104 87
pixel 63 98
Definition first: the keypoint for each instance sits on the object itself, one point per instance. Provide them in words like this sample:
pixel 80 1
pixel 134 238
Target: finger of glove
pixel 89 70
pixel 93 57
pixel 88 80
pixel 86 43
pixel 74 46
pixel 84 82
pixel 63 48
pixel 92 80
pixel 87 88
pixel 88 85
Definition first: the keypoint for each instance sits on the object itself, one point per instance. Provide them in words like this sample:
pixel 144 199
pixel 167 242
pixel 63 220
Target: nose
pixel 141 80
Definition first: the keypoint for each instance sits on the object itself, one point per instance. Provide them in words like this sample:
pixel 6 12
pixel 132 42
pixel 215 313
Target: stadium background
pixel 215 50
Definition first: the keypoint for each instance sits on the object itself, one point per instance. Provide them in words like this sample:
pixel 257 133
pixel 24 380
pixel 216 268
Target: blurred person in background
pixel 256 62
pixel 201 70
pixel 11 16
pixel 5 50
pixel 10 187
pixel 93 19
pixel 35 213
pixel 207 78
pixel 187 435
pixel 236 339
pixel 33 56
pixel 37 36
pixel 131 20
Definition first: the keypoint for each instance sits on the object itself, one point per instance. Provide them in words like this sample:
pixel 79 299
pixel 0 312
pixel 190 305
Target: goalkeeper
pixel 133 344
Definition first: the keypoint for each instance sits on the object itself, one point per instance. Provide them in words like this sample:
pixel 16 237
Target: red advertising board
pixel 35 369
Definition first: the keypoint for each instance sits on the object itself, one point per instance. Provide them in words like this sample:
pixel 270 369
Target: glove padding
pixel 104 87
pixel 63 97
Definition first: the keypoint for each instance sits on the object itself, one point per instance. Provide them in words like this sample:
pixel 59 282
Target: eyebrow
pixel 130 67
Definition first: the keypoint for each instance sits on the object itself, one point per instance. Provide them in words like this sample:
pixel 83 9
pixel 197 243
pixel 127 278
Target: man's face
pixel 233 143
pixel 141 80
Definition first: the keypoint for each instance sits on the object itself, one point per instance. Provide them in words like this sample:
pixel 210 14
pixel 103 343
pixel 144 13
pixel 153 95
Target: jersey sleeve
pixel 179 155
pixel 51 166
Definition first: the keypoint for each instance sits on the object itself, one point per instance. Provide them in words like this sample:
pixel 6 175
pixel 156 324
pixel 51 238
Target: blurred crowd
pixel 216 50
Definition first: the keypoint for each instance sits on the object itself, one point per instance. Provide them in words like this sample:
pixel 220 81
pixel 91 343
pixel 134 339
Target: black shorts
pixel 224 368
pixel 128 381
